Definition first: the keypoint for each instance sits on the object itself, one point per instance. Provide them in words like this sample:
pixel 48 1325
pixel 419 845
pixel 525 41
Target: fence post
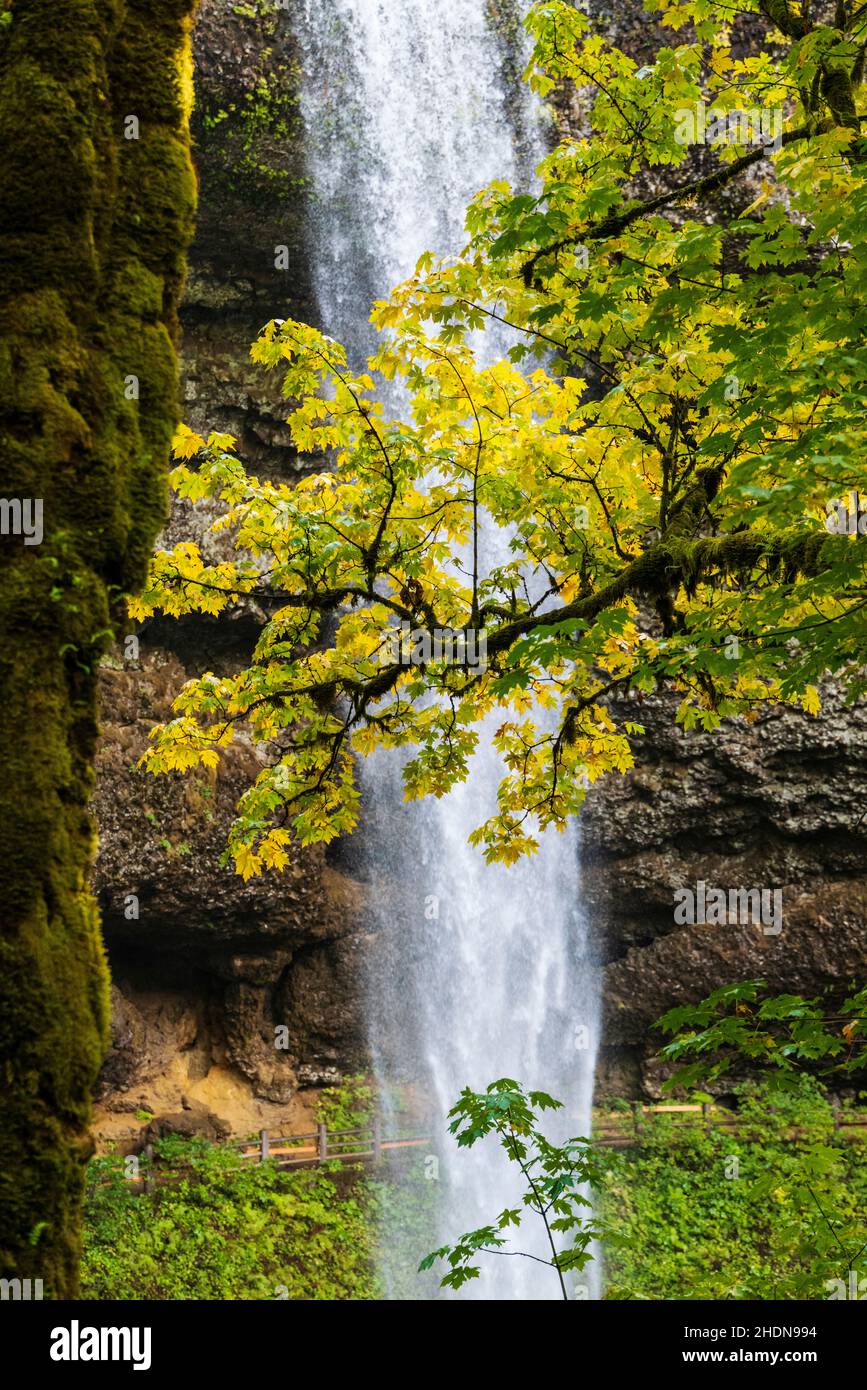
pixel 636 1117
pixel 377 1139
pixel 323 1143
pixel 705 1115
pixel 149 1158
pixel 264 1146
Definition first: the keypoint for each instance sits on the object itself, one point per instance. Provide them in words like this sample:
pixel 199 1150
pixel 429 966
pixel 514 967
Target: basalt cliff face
pixel 228 997
pixel 206 969
pixel 773 805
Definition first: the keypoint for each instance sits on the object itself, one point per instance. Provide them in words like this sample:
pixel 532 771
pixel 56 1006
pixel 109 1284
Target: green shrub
pixel 717 1215
pixel 220 1230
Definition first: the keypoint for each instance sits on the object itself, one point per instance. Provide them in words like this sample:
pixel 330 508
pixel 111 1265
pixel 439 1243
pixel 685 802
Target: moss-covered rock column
pixel 96 206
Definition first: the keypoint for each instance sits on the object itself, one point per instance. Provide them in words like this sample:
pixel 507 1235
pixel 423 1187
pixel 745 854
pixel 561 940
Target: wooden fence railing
pixel 324 1145
pixel 622 1128
pixel 616 1129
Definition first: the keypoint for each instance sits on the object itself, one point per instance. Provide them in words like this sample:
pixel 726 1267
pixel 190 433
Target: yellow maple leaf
pixel 273 857
pixel 186 443
pixel 247 863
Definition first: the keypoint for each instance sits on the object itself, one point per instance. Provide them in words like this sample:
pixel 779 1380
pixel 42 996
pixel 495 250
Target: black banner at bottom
pixel 265 1340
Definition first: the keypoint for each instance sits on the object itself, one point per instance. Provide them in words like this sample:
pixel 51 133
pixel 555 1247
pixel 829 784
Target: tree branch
pixel 613 225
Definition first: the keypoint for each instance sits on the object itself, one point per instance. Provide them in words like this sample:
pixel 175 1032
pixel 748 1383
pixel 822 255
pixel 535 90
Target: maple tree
pixel 634 495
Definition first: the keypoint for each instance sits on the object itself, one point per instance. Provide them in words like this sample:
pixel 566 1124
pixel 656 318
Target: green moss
pixel 93 231
pixel 260 134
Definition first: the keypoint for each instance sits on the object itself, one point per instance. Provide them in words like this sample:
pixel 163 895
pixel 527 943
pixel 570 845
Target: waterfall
pixel 411 106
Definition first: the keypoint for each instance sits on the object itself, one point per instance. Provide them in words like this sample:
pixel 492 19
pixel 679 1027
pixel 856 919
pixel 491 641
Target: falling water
pixel 410 107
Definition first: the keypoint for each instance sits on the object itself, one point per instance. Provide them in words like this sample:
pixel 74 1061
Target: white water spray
pixel 410 107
